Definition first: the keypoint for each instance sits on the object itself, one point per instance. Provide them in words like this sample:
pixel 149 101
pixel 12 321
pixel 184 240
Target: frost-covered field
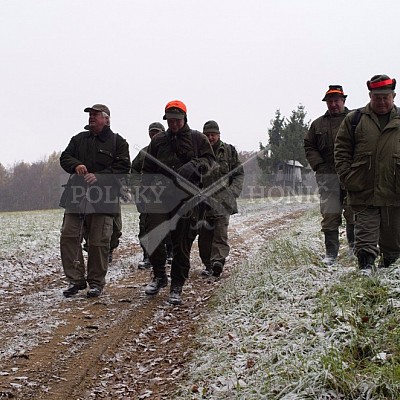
pixel 29 245
pixel 285 327
pixel 282 326
pixel 31 276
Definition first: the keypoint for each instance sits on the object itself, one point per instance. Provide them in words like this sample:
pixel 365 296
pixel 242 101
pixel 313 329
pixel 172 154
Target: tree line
pixel 31 186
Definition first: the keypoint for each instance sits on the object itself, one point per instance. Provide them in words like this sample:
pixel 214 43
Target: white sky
pixel 233 61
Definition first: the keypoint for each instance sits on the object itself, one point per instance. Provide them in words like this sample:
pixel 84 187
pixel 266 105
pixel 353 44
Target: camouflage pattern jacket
pixel 229 175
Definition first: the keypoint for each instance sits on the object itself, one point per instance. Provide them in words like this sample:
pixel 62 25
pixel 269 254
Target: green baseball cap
pixel 156 126
pixel 98 107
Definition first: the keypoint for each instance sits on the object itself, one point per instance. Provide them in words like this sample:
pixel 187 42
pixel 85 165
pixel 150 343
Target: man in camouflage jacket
pixel 213 235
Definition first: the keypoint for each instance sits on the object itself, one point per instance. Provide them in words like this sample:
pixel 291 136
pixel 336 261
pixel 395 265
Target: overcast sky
pixel 233 61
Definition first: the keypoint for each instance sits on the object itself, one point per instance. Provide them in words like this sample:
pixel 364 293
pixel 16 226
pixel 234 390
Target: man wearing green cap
pixel 213 235
pixel 367 157
pixel 136 170
pixel 319 148
pixel 96 160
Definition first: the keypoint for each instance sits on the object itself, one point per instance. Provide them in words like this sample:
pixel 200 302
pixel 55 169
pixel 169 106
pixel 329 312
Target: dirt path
pixel 124 345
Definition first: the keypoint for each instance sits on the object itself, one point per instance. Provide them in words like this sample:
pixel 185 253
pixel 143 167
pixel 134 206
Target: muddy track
pixel 123 345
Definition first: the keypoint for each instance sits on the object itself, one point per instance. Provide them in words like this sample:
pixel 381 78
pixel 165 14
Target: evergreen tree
pixel 267 163
pixel 292 144
pixel 285 142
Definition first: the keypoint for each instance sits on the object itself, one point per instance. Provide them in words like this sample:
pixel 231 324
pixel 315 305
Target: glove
pixel 188 171
pixel 324 168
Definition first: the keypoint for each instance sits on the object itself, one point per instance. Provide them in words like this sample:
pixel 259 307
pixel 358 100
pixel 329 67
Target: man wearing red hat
pixel 319 148
pixel 173 172
pixel 367 158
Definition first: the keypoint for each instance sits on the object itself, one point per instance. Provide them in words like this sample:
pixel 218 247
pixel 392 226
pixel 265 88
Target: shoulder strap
pixel 231 150
pixel 115 145
pixel 355 119
pixel 195 142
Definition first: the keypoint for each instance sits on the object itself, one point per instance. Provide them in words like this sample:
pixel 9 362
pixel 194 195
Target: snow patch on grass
pixel 274 331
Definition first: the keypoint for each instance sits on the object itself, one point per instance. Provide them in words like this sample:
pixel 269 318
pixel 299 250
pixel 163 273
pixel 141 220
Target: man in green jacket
pixel 319 148
pixel 136 171
pixel 96 160
pixel 172 175
pixel 367 158
pixel 213 234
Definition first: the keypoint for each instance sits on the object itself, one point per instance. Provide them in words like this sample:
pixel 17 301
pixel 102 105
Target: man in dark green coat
pixel 172 173
pixel 96 160
pixel 367 157
pixel 136 171
pixel 319 148
pixel 213 235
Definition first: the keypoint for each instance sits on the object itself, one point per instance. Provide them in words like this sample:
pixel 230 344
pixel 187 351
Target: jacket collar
pixel 104 134
pixel 184 131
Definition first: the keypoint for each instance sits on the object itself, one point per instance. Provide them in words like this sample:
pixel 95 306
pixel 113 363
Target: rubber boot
pixel 366 262
pixel 331 246
pixel 350 238
pixel 386 262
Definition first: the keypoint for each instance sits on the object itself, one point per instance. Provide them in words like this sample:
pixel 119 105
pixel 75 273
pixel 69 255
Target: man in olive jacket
pixel 213 235
pixel 172 172
pixel 136 172
pixel 367 157
pixel 319 148
pixel 96 159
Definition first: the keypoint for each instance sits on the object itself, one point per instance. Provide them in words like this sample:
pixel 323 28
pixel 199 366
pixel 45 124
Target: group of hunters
pixel 187 183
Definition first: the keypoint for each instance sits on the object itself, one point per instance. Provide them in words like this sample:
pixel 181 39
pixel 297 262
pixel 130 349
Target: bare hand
pixel 90 178
pixel 81 169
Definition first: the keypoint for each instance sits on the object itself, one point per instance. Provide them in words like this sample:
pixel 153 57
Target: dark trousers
pixel 183 232
pixel 332 203
pixel 143 238
pixel 117 231
pixel 377 230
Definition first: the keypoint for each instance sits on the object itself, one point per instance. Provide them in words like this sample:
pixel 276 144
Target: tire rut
pixel 126 345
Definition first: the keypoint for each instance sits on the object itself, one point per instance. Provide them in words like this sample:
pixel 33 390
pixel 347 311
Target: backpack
pixel 355 119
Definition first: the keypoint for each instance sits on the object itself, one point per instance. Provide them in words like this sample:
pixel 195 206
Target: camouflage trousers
pixel 213 240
